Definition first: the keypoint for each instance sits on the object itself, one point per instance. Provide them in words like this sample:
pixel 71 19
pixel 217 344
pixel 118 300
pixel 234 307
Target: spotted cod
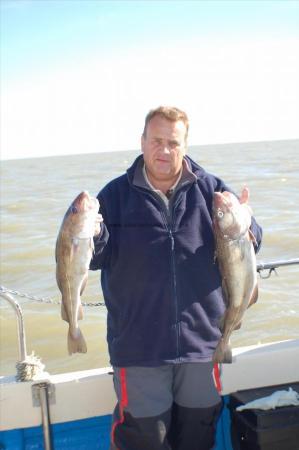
pixel 237 263
pixel 74 248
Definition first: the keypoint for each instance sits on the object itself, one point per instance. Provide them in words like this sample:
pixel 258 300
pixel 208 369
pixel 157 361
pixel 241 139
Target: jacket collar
pixel 189 176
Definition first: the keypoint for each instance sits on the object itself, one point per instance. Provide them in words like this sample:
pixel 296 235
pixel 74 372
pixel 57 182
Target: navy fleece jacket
pixel 160 282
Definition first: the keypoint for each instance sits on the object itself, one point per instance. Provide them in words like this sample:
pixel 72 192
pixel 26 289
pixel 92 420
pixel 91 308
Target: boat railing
pixel 273 265
pixel 29 367
pixel 20 323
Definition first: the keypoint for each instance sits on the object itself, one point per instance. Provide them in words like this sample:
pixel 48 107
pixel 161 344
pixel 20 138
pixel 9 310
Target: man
pixel 163 292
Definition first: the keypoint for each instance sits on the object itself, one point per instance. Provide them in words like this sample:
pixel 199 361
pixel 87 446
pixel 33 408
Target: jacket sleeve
pixel 101 244
pixel 257 233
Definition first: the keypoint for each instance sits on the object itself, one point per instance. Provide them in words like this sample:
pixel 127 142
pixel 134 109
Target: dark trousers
pixel 167 408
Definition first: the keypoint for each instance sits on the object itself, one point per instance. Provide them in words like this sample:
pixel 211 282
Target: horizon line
pixel 61 155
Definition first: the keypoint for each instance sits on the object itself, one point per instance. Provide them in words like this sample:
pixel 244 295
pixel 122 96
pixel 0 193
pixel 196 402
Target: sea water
pixel 35 194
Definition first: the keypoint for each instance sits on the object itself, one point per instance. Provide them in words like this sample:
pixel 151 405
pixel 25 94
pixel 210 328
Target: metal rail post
pixel 45 410
pixel 20 324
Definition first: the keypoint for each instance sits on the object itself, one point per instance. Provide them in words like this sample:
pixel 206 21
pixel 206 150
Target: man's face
pixel 163 147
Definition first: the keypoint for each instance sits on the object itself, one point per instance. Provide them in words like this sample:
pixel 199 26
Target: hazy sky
pixel 80 76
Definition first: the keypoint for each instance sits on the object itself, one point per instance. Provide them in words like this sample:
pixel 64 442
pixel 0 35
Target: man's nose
pixel 165 149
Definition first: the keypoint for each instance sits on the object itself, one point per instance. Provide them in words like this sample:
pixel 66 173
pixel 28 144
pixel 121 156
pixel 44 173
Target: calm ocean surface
pixel 35 194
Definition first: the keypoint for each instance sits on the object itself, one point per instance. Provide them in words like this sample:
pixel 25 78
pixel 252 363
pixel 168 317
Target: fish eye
pixel 220 214
pixel 74 210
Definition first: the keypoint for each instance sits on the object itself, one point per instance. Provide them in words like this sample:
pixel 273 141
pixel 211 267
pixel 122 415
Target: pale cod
pixel 237 263
pixel 74 248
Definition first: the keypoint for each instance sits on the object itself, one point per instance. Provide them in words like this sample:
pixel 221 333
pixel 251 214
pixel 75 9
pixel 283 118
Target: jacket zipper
pixel 175 294
pixel 168 221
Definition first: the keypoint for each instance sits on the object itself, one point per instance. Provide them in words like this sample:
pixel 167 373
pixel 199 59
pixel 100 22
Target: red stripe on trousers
pixel 216 373
pixel 123 402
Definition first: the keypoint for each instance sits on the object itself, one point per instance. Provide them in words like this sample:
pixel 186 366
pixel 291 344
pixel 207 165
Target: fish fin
pixel 56 250
pixel 215 257
pixel 77 344
pixel 217 356
pixel 252 237
pixel 80 312
pixel 71 252
pixel 64 315
pixel 83 284
pixel 223 353
pixel 238 326
pixel 92 244
pixel 254 296
pixel 221 323
pixel 225 292
pixel 74 247
pixel 228 356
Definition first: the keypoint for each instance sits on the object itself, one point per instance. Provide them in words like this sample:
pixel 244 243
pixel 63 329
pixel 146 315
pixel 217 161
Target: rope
pixel 42 299
pixel 31 368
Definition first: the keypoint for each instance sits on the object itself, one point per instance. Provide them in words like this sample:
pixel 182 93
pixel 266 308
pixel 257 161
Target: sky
pixel 79 76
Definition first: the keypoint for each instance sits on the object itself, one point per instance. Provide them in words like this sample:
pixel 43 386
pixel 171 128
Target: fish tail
pixel 228 356
pixel 76 344
pixel 223 353
pixel 64 315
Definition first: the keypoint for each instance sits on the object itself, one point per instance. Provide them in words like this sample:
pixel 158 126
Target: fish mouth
pixel 222 199
pixel 219 200
pixel 84 195
pixel 85 202
pixel 81 200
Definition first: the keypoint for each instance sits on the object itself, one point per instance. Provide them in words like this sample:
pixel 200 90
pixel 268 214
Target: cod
pixel 74 248
pixel 237 264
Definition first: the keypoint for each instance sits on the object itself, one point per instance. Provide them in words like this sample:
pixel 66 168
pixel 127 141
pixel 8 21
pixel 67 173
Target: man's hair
pixel 170 113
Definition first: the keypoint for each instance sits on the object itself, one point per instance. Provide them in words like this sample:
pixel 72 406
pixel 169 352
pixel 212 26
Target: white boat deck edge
pixel 89 393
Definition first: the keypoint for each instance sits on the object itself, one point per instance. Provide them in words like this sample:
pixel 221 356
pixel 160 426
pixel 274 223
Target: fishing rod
pixel 272 265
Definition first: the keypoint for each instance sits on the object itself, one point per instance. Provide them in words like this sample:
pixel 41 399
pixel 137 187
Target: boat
pixel 72 411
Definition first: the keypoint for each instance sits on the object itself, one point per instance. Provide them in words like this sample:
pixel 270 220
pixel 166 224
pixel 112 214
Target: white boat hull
pixel 89 394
